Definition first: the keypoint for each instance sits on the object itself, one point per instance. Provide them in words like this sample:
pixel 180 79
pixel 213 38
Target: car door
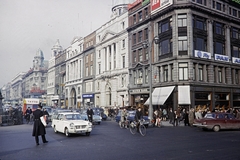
pixel 233 123
pixel 59 122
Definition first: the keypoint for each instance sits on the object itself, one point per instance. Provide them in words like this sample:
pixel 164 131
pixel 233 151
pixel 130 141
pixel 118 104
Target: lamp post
pixel 149 45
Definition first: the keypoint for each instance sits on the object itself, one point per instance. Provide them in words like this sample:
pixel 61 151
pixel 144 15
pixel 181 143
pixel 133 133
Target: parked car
pixel 50 112
pixel 71 123
pixel 218 121
pixel 130 117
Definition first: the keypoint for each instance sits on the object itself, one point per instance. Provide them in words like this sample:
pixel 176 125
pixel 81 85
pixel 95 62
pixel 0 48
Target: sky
pixel 29 25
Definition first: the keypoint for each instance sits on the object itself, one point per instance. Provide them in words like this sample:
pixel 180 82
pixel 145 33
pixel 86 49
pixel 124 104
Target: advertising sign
pixel 202 54
pixel 219 57
pixel 158 5
pixel 235 60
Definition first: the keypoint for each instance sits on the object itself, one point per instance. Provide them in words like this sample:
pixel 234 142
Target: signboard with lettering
pixel 88 95
pixel 202 54
pixel 157 5
pixel 219 57
pixel 235 60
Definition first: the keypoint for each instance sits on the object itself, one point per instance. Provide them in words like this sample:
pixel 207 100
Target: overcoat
pixel 38 127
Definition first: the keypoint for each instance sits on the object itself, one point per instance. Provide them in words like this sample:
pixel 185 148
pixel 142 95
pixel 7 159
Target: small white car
pixel 71 123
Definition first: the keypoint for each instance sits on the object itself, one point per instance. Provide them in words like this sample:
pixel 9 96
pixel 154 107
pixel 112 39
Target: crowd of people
pixel 187 116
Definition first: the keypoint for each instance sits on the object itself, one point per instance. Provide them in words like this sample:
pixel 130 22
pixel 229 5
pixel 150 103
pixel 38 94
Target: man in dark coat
pixel 90 114
pixel 38 127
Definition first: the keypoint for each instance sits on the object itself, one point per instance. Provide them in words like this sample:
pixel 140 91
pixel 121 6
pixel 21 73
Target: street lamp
pixel 149 45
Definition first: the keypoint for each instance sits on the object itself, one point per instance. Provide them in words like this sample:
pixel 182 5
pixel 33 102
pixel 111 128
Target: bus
pixel 30 102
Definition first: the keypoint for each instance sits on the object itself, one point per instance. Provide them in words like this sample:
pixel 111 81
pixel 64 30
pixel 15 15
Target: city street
pixel 107 141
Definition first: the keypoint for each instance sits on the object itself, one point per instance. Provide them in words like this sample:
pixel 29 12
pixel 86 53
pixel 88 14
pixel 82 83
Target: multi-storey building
pixel 111 82
pixel 196 60
pixel 34 81
pixel 16 89
pixel 52 91
pixel 74 73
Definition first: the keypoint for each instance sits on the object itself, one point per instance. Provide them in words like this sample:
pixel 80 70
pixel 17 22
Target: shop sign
pixel 219 57
pixel 88 95
pixel 235 60
pixel 134 4
pixel 139 90
pixel 202 54
pixel 157 5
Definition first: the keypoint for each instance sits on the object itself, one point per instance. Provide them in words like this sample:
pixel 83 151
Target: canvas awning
pixel 184 95
pixel 160 95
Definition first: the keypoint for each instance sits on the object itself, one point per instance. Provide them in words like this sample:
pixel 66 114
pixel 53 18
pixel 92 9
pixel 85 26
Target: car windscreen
pixel 73 117
pixel 210 115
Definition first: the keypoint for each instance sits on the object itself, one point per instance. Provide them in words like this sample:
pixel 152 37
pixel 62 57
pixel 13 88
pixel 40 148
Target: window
pixel 110 65
pixel 165 47
pixel 236 76
pixel 165 73
pixel 78 90
pixel 234 12
pixel 146 33
pixel 146 75
pixel 182 20
pixel 140 36
pixel 182 43
pixel 86 71
pixel 140 55
pixel 165 25
pixel 200 44
pixel 135 77
pixel 114 62
pixel 201 2
pixel 220 75
pixel 123 43
pixel 134 39
pixel 219 6
pixel 235 51
pixel 123 60
pixel 87 59
pixel 218 28
pixel 91 56
pixel 140 72
pixel 146 54
pixel 140 16
pixel 99 68
pixel 183 71
pixel 134 19
pixel 134 57
pixel 219 48
pixel 235 33
pixel 199 23
pixel 146 12
pixel 123 25
pixel 200 72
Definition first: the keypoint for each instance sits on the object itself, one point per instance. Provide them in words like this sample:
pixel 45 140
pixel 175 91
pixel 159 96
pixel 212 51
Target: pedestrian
pixel 185 117
pixel 164 114
pixel 90 114
pixel 191 116
pixel 171 116
pixel 38 127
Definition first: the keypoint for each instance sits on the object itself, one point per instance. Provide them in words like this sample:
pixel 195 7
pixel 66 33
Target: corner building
pixel 195 63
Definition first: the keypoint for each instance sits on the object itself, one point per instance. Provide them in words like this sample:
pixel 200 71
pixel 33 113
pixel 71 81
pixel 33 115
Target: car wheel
pixel 67 134
pixel 216 128
pixel 88 133
pixel 55 130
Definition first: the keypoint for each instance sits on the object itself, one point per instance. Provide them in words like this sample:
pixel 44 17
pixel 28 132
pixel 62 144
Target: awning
pixel 184 95
pixel 160 95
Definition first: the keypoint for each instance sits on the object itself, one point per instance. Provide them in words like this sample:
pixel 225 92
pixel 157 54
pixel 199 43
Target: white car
pixel 71 123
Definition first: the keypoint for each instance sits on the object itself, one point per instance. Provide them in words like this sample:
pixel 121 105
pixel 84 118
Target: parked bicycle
pixel 124 124
pixel 141 128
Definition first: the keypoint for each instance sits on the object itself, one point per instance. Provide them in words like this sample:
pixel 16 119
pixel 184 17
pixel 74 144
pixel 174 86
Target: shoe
pixel 37 144
pixel 45 142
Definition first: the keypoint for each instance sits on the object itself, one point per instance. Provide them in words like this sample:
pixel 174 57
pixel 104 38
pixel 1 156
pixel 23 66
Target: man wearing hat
pixel 38 127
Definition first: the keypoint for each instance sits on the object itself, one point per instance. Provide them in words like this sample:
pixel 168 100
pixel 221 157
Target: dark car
pixel 130 117
pixel 218 121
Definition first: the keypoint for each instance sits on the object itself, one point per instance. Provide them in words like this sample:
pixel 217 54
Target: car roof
pixel 66 113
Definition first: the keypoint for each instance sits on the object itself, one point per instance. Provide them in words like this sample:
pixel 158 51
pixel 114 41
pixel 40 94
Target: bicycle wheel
pixel 142 130
pixel 127 124
pixel 133 128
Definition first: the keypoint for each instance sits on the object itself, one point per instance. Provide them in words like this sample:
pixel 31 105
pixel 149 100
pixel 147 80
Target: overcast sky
pixel 29 25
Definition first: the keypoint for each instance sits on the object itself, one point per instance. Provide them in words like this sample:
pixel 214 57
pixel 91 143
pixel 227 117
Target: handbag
pixel 43 121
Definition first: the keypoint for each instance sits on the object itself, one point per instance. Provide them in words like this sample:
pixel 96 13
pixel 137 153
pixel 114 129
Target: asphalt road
pixel 108 142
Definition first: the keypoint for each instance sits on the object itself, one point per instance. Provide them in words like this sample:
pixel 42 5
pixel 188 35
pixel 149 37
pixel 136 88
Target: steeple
pixel 56 49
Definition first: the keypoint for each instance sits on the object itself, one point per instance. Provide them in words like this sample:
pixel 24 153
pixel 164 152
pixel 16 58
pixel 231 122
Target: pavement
pixel 167 124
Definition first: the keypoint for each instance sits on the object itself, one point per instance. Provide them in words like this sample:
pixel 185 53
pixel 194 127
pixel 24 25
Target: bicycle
pixel 124 124
pixel 141 128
